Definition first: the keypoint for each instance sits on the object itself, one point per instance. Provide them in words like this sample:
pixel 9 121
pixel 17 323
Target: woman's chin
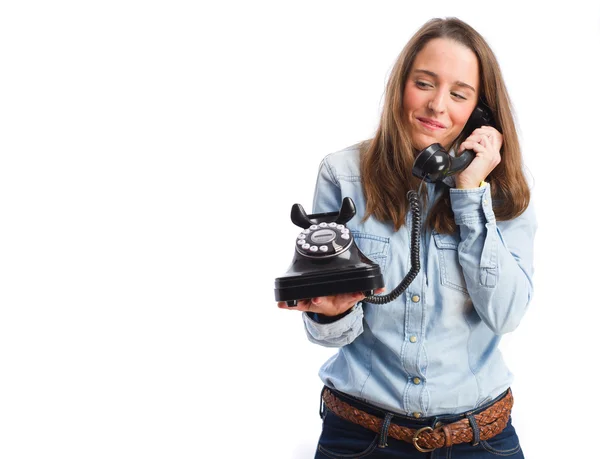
pixel 422 143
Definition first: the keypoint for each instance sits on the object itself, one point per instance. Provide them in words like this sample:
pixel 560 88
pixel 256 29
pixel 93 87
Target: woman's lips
pixel 431 124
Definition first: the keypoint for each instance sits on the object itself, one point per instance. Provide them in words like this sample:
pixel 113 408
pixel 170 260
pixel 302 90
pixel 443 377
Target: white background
pixel 150 154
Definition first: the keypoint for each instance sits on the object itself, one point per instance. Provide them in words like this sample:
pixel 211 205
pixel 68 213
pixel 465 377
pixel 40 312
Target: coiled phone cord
pixel 415 264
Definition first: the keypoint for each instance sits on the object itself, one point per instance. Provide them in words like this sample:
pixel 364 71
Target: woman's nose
pixel 437 103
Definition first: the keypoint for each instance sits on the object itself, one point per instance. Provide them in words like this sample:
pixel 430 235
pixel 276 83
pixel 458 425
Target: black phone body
pixel 433 164
pixel 326 259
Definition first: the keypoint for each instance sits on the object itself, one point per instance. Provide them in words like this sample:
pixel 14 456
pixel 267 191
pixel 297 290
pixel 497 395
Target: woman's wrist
pixel 470 186
pixel 325 319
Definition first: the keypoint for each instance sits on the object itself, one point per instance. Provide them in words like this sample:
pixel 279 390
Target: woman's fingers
pixel 474 145
pixel 328 305
pixel 489 135
pixel 302 305
pixel 334 305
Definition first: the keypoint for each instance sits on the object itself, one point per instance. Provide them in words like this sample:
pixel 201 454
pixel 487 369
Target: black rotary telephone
pixel 326 259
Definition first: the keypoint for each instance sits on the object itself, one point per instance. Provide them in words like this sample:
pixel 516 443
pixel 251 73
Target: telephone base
pixel 362 278
pixel 326 259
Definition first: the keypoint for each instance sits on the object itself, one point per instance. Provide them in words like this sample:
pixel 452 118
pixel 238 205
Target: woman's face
pixel 440 93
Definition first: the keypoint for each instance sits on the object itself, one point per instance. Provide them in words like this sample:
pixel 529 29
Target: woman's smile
pixel 431 124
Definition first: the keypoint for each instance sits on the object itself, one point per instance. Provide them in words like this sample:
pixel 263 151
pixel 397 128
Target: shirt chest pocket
pixel 374 247
pixel 451 274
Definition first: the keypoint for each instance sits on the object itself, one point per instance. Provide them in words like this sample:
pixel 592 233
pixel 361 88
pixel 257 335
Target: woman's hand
pixel 486 142
pixel 328 305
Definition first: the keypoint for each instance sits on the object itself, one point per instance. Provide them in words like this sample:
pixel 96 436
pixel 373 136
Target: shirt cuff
pixel 473 205
pixel 335 328
pixel 323 319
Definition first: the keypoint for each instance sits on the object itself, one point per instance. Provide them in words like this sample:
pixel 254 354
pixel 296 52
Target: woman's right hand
pixel 328 305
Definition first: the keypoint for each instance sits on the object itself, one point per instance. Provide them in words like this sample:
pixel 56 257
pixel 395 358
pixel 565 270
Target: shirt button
pixel 415 298
pixel 413 339
pixel 417 380
pixel 416 414
pixel 485 201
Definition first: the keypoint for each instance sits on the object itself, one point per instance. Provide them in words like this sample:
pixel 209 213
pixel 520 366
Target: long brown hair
pixel 387 158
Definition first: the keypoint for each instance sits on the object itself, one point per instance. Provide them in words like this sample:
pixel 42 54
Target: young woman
pixel 423 373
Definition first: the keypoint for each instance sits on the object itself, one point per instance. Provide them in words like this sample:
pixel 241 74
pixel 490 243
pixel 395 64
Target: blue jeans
pixel 341 439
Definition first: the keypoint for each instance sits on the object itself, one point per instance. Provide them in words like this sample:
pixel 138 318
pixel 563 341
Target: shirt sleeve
pixel 337 333
pixel 496 258
pixel 327 198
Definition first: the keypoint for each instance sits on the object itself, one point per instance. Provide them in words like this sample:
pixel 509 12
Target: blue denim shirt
pixel 433 350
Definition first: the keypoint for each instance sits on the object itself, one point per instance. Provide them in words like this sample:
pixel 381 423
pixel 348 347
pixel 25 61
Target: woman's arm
pixel 496 258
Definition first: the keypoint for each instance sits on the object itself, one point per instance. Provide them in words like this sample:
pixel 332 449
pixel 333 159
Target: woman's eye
pixel 459 96
pixel 423 84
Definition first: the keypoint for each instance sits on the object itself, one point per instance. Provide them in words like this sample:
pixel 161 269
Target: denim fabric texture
pixel 433 350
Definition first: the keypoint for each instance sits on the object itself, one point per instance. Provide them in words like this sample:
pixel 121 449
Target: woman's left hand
pixel 486 142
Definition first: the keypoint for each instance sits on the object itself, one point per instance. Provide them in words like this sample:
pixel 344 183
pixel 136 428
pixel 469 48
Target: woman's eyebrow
pixel 435 75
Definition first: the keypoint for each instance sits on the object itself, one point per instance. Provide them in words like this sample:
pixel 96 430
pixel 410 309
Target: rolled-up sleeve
pixel 496 258
pixel 338 333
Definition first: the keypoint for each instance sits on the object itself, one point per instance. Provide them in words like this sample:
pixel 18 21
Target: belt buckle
pixel 415 440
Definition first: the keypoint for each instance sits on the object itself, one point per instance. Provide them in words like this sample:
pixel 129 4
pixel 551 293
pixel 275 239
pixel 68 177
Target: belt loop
pixel 384 430
pixel 322 407
pixel 475 429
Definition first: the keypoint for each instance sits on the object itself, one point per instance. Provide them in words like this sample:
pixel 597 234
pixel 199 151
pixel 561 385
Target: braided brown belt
pixel 490 421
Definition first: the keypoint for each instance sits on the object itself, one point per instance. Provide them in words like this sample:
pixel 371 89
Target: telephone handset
pixel 434 164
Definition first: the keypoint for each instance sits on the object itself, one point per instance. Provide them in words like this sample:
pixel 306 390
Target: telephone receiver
pixel 434 164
